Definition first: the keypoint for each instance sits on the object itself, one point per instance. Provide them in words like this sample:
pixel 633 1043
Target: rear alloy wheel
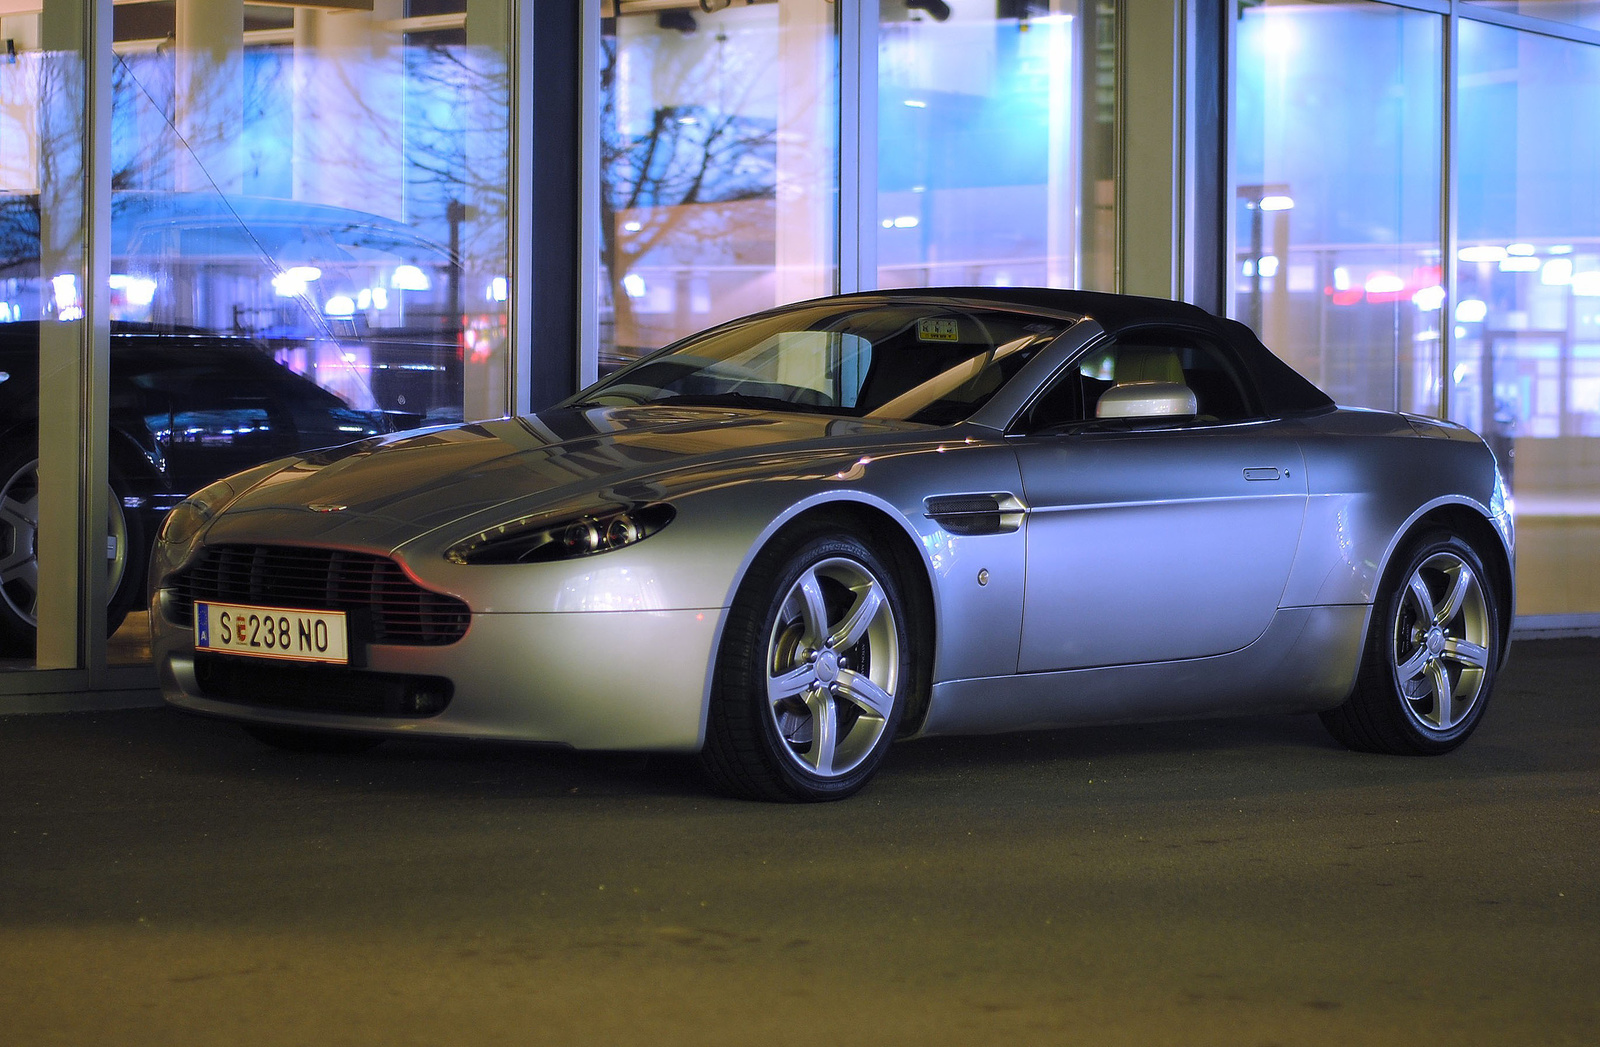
pixel 19 554
pixel 1431 656
pixel 812 677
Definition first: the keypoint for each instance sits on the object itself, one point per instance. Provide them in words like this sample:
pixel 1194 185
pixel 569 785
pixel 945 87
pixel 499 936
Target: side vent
pixel 969 514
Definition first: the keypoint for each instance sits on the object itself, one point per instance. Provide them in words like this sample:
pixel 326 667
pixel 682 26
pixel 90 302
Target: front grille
pixel 318 688
pixel 384 604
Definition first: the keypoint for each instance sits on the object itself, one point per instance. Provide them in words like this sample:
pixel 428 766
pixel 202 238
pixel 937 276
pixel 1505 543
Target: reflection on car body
pixel 784 542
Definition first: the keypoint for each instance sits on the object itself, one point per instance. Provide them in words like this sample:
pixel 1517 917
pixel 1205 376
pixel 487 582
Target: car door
pixel 1154 538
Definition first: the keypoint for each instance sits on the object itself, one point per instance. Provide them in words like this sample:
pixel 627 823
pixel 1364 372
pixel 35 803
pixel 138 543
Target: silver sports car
pixel 789 540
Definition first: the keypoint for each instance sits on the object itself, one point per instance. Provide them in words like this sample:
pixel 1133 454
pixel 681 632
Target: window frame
pixel 1183 336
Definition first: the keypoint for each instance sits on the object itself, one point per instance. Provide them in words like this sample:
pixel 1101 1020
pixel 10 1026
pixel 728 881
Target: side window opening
pixel 1153 356
pixel 1216 384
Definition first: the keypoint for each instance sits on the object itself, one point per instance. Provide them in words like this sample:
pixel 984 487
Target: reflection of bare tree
pixel 141 154
pixel 684 153
pixel 19 209
pixel 354 138
pixel 61 180
pixel 19 242
pixel 457 135
pixel 451 143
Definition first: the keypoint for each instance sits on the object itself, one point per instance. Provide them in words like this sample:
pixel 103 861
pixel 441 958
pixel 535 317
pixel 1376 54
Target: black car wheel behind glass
pixel 19 553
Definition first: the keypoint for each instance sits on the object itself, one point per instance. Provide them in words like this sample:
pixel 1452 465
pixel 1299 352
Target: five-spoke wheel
pixel 1441 642
pixel 1431 656
pixel 832 666
pixel 812 675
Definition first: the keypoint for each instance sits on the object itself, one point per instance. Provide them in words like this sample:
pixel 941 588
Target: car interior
pixel 1107 384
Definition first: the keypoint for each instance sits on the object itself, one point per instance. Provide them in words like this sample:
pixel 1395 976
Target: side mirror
pixel 1147 400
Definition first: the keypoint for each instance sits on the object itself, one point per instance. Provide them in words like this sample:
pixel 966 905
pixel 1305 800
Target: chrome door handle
pixel 1263 473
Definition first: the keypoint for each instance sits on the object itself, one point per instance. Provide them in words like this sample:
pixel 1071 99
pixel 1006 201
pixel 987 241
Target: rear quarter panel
pixel 1372 476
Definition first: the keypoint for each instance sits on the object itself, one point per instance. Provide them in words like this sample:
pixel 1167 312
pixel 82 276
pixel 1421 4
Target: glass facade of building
pixel 718 164
pixel 1337 216
pixel 1420 234
pixel 46 214
pixel 721 181
pixel 993 145
pixel 306 241
pixel 229 230
pixel 1525 370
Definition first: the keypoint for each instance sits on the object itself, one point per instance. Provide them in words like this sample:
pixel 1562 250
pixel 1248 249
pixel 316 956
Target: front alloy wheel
pixel 812 674
pixel 832 667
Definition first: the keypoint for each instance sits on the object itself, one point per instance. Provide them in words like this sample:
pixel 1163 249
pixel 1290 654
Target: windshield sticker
pixel 938 331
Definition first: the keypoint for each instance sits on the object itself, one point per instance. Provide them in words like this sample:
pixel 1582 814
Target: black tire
pixel 126 560
pixel 775 682
pixel 19 564
pixel 304 740
pixel 1432 651
pixel 125 580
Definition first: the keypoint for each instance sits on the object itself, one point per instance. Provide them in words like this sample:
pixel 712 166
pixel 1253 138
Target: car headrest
pixel 1148 365
pixel 1147 400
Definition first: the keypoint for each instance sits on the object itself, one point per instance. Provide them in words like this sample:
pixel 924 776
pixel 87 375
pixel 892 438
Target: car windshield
pixel 918 362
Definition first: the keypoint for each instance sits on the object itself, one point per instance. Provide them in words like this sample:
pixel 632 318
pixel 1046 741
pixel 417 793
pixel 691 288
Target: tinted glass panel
pixel 44 273
pixel 1526 371
pixel 1584 13
pixel 994 143
pixel 718 162
pixel 308 232
pixel 1336 208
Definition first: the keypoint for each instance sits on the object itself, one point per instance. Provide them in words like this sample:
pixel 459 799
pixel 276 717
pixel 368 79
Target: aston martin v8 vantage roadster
pixel 789 540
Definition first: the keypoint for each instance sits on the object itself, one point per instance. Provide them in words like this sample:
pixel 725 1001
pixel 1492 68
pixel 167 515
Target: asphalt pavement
pixel 166 880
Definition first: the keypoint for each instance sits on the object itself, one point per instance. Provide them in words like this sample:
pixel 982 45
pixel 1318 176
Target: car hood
pixel 416 482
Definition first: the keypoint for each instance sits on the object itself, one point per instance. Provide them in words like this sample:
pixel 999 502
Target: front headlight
pixel 538 539
pixel 190 515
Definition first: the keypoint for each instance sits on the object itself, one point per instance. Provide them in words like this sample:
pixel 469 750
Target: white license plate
pixel 272 632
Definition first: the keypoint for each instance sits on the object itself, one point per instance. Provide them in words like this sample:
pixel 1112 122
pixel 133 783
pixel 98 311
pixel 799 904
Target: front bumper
pixel 634 680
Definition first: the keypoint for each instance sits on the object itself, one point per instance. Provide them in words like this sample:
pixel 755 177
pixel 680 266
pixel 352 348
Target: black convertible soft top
pixel 1284 391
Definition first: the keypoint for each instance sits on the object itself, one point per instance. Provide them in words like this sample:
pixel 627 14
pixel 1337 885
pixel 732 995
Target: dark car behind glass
pixel 186 408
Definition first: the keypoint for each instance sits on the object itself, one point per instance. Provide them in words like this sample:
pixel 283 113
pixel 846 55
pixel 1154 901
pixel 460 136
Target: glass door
pixel 718 164
pixel 309 233
pixel 303 239
pixel 46 317
pixel 994 143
